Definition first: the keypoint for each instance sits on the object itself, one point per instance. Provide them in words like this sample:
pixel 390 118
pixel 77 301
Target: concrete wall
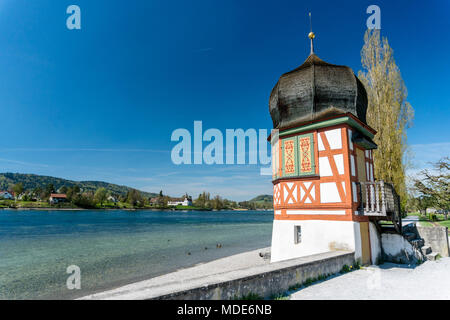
pixel 317 236
pixel 375 244
pixel 436 238
pixel 274 281
pixel 397 249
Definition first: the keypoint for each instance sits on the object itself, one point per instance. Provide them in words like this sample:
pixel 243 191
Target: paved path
pixel 410 219
pixel 431 280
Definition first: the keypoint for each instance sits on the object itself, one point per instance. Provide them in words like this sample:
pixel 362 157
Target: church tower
pixel 323 177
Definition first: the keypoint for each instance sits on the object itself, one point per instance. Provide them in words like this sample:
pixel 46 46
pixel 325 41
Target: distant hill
pixel 262 198
pixel 31 181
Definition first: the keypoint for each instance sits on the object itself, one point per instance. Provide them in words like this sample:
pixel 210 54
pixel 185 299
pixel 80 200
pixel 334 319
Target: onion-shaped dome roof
pixel 316 90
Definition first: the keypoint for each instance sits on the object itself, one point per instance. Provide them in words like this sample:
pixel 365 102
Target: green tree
pixel 72 192
pixel 50 188
pixel 85 200
pixel 436 185
pixel 101 195
pixel 388 111
pixel 134 198
pixel 203 200
pixel 217 203
pixel 18 189
pixel 37 192
pixel 422 203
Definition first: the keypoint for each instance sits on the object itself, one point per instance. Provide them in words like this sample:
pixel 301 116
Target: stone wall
pixel 436 238
pixel 277 280
pixel 398 250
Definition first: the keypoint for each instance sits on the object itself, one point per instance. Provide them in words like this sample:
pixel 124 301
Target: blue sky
pixel 101 103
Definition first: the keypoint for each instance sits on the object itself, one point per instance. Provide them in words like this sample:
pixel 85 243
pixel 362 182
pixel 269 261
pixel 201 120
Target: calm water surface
pixel 113 248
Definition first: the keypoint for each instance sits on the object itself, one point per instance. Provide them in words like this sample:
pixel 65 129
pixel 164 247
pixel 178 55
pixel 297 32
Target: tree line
pixel 133 198
pixel 431 189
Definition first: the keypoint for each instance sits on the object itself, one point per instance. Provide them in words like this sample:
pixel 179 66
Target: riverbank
pixel 115 248
pixel 154 208
pixel 248 275
pixel 105 209
pixel 184 277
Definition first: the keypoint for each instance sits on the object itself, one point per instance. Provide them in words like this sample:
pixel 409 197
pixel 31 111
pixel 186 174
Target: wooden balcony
pixel 379 200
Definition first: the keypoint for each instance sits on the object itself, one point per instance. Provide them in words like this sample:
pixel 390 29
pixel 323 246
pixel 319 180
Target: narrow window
pixel 297 234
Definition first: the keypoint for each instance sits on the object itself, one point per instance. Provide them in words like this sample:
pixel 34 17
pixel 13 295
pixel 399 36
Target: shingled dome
pixel 316 90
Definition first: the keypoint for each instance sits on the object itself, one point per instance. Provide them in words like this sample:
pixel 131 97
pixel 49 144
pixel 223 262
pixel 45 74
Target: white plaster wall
pixel 329 193
pixel 324 167
pixel 318 236
pixel 395 245
pixel 320 143
pixel 375 243
pixel 354 192
pixel 339 160
pixel 334 138
pixel 358 245
pixel 352 164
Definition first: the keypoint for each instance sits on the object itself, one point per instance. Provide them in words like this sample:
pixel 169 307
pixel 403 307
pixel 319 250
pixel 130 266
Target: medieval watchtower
pixel 325 195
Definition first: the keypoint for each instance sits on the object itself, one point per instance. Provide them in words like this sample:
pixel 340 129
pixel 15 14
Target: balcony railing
pixel 379 199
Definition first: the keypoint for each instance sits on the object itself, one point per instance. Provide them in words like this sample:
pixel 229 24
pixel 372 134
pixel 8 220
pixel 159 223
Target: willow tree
pixel 388 111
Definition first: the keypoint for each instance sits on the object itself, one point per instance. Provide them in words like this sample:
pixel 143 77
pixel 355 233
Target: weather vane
pixel 311 35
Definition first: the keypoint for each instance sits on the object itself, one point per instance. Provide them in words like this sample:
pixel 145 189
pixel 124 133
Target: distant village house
pixel 112 199
pixel 6 195
pixel 186 201
pixel 56 198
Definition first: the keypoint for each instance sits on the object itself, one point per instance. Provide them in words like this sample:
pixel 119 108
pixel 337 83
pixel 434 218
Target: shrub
pixel 345 269
pixel 250 296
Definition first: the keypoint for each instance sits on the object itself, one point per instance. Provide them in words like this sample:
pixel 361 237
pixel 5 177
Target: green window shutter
pixel 289 151
pixel 306 156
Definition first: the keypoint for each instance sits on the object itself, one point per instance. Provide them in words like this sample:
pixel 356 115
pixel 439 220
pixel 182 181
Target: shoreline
pixel 130 209
pixel 143 289
pixel 116 248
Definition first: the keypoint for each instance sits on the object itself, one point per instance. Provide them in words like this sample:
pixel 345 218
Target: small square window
pixel 297 234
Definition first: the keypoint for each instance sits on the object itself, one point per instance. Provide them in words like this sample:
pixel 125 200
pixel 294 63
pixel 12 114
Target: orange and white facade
pixel 315 170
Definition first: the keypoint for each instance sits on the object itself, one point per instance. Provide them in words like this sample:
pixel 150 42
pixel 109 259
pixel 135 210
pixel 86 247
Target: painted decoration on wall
pixel 289 158
pixel 298 156
pixel 306 147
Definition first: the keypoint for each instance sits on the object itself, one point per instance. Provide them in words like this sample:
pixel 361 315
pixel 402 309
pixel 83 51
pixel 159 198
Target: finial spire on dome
pixel 311 35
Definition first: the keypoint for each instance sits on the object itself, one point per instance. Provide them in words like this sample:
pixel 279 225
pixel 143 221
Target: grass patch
pixel 445 223
pixel 280 297
pixel 310 281
pixel 250 296
pixel 426 223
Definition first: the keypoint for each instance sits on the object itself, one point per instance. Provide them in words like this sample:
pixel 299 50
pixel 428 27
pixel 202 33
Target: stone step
pixel 432 256
pixel 409 236
pixel 426 250
pixel 417 243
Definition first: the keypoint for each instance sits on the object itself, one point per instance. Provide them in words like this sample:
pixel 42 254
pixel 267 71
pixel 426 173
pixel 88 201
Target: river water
pixel 116 247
